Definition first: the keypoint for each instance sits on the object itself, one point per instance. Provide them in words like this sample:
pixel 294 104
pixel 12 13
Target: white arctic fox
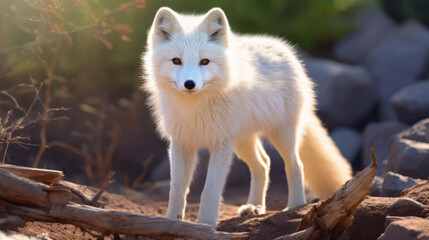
pixel 211 88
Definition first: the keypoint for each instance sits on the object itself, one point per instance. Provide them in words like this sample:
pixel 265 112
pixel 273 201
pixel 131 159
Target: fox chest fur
pixel 199 123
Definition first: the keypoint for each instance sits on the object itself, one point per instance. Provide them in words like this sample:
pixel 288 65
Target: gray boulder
pixel 409 151
pixel 407 228
pixel 345 94
pixel 418 132
pixel 372 28
pixel 348 141
pixel 411 103
pixel 377 136
pixel 394 183
pixel 398 62
pixel 408 157
pixel 405 207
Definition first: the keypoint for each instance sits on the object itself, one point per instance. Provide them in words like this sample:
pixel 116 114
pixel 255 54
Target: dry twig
pixel 109 180
pixel 7 146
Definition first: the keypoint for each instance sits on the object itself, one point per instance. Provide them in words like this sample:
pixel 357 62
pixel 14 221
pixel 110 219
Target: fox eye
pixel 204 61
pixel 176 61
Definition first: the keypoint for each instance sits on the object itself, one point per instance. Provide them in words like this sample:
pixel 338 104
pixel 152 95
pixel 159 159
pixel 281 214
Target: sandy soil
pixel 370 215
pixel 130 201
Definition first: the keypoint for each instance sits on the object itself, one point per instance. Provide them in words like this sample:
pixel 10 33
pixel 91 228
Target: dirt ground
pixel 370 214
pixel 130 201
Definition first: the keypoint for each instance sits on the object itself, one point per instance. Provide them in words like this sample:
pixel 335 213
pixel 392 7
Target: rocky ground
pixel 376 217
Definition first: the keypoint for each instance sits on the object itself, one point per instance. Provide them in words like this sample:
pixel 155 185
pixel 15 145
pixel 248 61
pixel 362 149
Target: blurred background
pixel 70 77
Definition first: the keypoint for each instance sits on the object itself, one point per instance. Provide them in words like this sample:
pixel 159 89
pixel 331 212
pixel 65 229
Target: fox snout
pixel 190 78
pixel 189 84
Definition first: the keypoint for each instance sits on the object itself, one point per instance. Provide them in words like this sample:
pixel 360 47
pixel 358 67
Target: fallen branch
pixel 35 201
pixel 333 216
pixel 36 174
pixel 115 222
pixel 23 191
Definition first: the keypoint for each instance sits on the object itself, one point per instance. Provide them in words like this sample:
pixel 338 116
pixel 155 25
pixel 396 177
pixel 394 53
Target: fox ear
pixel 216 26
pixel 164 25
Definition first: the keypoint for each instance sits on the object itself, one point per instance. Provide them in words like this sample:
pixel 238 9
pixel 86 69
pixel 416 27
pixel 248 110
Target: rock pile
pixel 395 59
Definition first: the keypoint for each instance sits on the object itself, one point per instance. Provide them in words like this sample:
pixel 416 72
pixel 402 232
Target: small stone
pixel 411 103
pixel 408 157
pixel 394 183
pixel 410 228
pixel 418 132
pixel 409 151
pixel 405 207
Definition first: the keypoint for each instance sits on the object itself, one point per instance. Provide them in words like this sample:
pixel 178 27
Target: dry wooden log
pixel 23 191
pixel 333 216
pixel 34 201
pixel 36 174
pixel 116 222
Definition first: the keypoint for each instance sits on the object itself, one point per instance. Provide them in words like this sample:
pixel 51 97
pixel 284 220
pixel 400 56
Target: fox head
pixel 187 53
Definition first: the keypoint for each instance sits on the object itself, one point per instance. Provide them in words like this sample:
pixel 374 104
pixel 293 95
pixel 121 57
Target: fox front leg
pixel 220 161
pixel 182 164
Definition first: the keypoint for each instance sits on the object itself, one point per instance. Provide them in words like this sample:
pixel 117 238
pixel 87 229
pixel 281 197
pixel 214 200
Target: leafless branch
pixel 109 180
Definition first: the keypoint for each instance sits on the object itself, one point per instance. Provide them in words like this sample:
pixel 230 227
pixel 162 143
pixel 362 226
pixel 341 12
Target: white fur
pixel 253 86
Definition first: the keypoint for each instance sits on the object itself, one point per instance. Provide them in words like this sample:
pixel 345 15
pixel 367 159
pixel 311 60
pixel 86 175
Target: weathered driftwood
pixel 23 191
pixel 115 222
pixel 333 216
pixel 34 201
pixel 36 174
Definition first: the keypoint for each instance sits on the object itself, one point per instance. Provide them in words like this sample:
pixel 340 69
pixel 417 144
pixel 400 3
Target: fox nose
pixel 189 84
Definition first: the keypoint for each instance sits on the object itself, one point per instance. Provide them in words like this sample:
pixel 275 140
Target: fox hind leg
pixel 287 145
pixel 251 151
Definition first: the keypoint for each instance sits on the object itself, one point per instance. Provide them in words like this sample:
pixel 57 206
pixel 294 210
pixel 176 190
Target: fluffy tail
pixel 325 169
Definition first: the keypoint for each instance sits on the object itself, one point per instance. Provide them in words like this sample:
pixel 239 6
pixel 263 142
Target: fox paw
pixel 250 210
